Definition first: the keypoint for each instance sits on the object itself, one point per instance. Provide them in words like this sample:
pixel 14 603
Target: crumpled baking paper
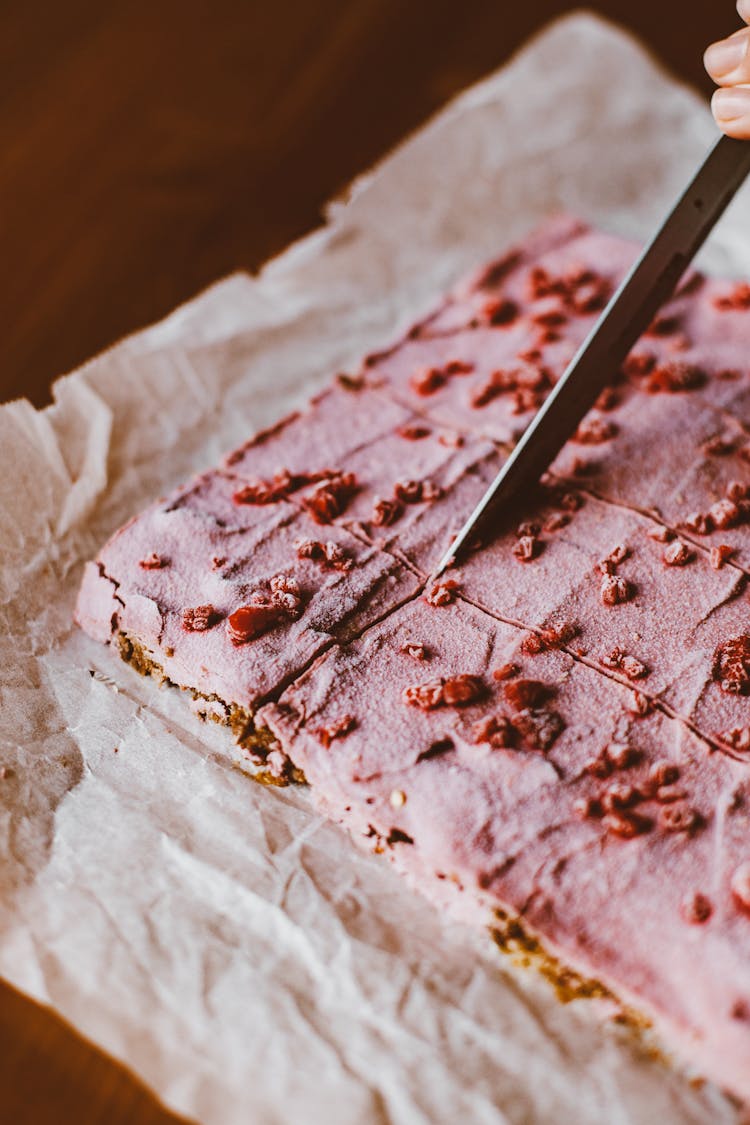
pixel 232 948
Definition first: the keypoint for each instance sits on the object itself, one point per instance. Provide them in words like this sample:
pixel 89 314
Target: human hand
pixel 728 63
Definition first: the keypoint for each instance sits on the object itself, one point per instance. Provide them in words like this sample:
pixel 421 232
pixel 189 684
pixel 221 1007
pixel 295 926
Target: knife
pixel 650 282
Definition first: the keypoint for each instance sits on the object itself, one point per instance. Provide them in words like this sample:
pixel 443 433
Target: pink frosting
pixel 563 725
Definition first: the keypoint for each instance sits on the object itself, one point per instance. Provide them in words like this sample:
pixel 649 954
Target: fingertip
pixel 743 8
pixel 731 110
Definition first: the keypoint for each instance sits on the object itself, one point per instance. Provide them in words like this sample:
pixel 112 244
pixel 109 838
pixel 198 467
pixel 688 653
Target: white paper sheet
pixel 223 941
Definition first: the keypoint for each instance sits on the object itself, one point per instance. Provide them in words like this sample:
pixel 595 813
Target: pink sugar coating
pixel 502 824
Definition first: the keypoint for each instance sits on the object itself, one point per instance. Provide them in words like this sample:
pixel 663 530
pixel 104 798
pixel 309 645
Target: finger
pixel 728 61
pixel 731 108
pixel 743 7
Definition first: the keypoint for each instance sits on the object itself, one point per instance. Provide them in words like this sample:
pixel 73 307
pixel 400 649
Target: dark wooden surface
pixel 147 147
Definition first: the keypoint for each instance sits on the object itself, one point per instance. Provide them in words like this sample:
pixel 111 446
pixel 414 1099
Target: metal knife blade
pixel 649 284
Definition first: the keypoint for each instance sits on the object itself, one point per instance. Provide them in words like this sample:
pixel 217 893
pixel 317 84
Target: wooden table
pixel 151 146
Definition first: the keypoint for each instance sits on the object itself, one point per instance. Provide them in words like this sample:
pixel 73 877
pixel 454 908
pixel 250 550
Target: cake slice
pixel 554 738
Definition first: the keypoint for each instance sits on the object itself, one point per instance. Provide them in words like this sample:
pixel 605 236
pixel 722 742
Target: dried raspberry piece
pixel 525 693
pixel 719 446
pixel 738 738
pixel 736 300
pixel 668 794
pixel 600 766
pixel 539 729
pixel 250 621
pixel 699 524
pixel 451 441
pixel 350 382
pixel 153 562
pixel 557 521
pixel 661 534
pixel 532 645
pixel 442 593
pixel 505 672
pixel 413 432
pixel 549 314
pixel 696 908
pixel 673 376
pixel 620 661
pixel 591 296
pixel 454 691
pixel 540 284
pixel 608 399
pixel 281 485
pixel 616 556
pixel 638 365
pixel 217 562
pixel 495 730
pixel 614 591
pixel 462 689
pixel 329 554
pixel 458 367
pixel 426 696
pixel 497 383
pixel 628 824
pixel 662 773
pixel 639 704
pixel 330 498
pixel 527 548
pixel 524 401
pixel 740 885
pixel 428 381
pixel 530 355
pixel 731 666
pixel 678 554
pixel 725 514
pixel 594 431
pixel 548 637
pixel 500 312
pixel 678 818
pixel 571 501
pixel 339 728
pixel 415 491
pixel 663 325
pixel 620 796
pixel 385 512
pixel 621 755
pixel 431 491
pixel 528 527
pixel 416 650
pixel 736 490
pixel 199 619
pixel 286 595
pixel 587 808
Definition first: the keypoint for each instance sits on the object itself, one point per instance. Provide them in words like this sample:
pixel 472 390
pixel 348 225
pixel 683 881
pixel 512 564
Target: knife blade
pixel 650 282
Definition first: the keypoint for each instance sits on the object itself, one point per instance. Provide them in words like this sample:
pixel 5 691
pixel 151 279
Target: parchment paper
pixel 238 953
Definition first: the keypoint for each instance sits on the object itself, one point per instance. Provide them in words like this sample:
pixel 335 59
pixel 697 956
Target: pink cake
pixel 554 739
